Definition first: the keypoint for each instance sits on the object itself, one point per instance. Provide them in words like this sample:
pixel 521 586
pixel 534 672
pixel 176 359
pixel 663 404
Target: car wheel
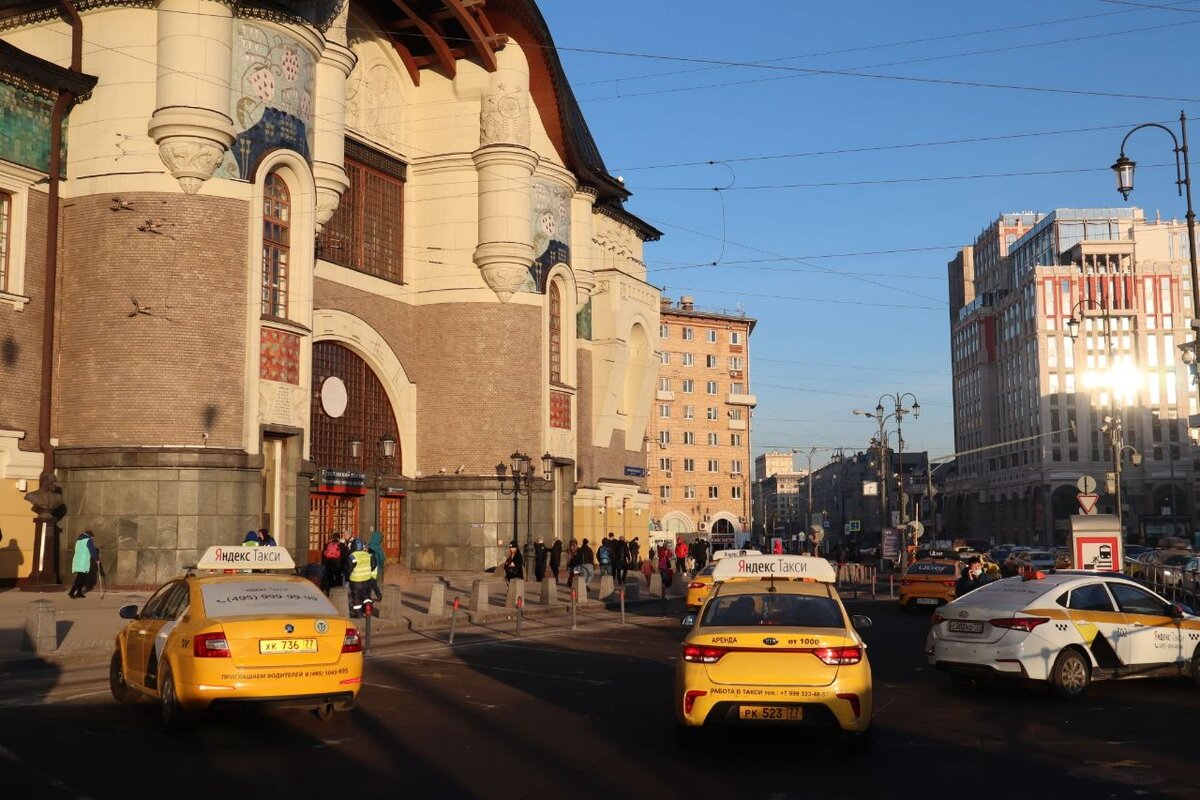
pixel 1195 670
pixel 174 718
pixel 324 712
pixel 1071 674
pixel 122 692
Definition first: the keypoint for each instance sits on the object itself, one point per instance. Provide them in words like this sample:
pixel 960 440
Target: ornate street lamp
pixel 524 482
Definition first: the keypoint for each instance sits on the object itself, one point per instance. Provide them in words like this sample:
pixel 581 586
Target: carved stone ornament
pixel 504 117
pixel 191 161
pixel 504 278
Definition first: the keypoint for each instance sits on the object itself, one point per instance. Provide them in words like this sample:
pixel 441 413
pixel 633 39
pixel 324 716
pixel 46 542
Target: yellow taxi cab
pixel 701 583
pixel 206 639
pixel 930 581
pixel 773 644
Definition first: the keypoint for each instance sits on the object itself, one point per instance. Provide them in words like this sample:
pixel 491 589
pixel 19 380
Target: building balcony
pixel 741 400
pixel 737 424
pixel 661 395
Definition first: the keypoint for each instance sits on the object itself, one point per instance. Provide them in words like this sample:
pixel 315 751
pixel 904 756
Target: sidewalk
pixel 87 627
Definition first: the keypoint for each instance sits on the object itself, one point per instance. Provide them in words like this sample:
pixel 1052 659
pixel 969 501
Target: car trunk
pixel 968 618
pixel 789 662
pixel 265 642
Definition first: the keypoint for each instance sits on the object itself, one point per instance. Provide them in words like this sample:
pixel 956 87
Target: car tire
pixel 324 712
pixel 1194 672
pixel 1071 674
pixel 174 718
pixel 122 692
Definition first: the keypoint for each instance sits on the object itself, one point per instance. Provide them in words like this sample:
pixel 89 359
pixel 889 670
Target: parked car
pixel 1165 568
pixel 1190 577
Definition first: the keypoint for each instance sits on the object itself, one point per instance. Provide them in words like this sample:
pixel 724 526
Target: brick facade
pixel 21 336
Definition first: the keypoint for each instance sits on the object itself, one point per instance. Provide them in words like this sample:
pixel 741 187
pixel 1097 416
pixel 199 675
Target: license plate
pixel 927 601
pixel 959 626
pixel 287 646
pixel 781 713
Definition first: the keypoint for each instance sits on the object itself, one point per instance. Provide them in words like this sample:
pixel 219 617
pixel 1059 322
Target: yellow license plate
pixel 287 646
pixel 781 713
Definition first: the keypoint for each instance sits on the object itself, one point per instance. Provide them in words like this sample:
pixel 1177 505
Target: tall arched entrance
pixel 352 424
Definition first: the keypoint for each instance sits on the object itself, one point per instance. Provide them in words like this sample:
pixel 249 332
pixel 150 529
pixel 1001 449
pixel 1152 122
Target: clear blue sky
pixel 670 85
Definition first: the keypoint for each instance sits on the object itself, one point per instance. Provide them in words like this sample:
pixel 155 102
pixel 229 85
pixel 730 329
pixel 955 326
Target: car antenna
pixel 771 588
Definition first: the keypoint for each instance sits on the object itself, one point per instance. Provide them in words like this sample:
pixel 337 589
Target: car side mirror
pixel 689 621
pixel 128 612
pixel 1175 611
pixel 861 622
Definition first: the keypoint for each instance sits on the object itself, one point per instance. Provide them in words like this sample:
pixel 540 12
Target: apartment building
pixel 1065 330
pixel 699 455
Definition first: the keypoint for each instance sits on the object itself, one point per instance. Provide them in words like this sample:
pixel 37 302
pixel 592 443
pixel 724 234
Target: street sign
pixel 916 529
pixel 1087 501
pixel 1086 484
pixel 855 525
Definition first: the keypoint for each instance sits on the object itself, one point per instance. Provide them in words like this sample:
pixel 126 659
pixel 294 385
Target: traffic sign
pixel 1086 484
pixel 916 529
pixel 1087 501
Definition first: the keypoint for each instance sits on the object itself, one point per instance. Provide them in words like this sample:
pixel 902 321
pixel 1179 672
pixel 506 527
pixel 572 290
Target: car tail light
pixel 210 645
pixel 702 655
pixel 689 699
pixel 353 642
pixel 1019 623
pixel 950 583
pixel 839 656
pixel 696 585
pixel 905 582
pixel 936 619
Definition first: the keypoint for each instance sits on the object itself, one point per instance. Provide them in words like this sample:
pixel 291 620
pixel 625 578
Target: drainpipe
pixel 48 498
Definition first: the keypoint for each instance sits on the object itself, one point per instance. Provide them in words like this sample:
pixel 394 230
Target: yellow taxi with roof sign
pixel 215 638
pixel 773 644
pixel 701 583
pixel 930 580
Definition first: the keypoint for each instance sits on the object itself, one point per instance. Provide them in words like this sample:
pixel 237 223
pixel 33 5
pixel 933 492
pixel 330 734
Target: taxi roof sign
pixel 775 566
pixel 718 555
pixel 237 557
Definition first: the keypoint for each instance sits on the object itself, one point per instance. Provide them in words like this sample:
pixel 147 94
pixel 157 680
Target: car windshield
pixel 1175 561
pixel 801 611
pixel 1040 554
pixel 252 598
pixel 930 568
pixel 708 570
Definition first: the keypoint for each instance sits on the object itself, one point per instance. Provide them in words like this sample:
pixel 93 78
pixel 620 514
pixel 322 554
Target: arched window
pixel 555 333
pixel 276 246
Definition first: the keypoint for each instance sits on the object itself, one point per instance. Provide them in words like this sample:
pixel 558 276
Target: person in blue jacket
pixel 82 563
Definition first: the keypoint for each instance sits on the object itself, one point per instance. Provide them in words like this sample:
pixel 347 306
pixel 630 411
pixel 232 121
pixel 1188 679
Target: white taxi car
pixel 773 644
pixel 1065 629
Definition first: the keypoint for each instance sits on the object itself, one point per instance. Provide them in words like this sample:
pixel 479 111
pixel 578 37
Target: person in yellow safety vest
pixel 362 569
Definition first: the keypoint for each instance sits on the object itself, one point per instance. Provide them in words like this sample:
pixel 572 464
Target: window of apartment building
pixel 689 492
pixel 664 464
pixel 737 388
pixel 712 336
pixel 555 333
pixel 366 232
pixel 710 361
pixel 714 492
pixel 735 440
pixel 689 412
pixel 689 465
pixel 664 410
pixel 736 493
pixel 712 387
pixel 714 465
pixel 689 437
pixel 736 363
pixel 664 357
pixel 664 384
pixel 689 334
pixel 664 331
pixel 689 386
pixel 6 205
pixel 735 413
pixel 735 466
pixel 712 439
pixel 664 437
pixel 688 359
pixel 276 247
pixel 735 337
pixel 664 493
pixel 713 412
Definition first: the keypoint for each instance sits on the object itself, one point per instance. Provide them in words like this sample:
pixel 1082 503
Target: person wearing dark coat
pixel 539 560
pixel 514 565
pixel 700 553
pixel 972 578
pixel 555 558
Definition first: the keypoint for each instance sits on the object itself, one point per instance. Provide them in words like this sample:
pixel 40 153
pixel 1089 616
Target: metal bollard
pixel 520 613
pixel 873 575
pixel 453 620
pixel 622 593
pixel 891 587
pixel 573 623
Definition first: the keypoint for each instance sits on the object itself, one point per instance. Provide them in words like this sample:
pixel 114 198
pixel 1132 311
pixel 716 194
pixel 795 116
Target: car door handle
pixel 1138 625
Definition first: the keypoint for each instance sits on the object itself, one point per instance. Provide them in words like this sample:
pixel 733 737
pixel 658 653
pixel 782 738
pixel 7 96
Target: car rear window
pixel 801 611
pixel 930 568
pixel 252 598
pixel 1175 561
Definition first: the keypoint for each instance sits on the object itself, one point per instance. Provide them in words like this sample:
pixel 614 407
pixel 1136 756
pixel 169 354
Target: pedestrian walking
pixel 681 554
pixel 700 552
pixel 360 568
pixel 620 560
pixel 587 562
pixel 664 566
pixel 332 556
pixel 555 559
pixel 604 556
pixel 85 559
pixel 539 559
pixel 635 551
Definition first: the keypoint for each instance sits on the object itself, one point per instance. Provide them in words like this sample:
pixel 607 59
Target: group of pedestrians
pixel 348 561
pixel 613 555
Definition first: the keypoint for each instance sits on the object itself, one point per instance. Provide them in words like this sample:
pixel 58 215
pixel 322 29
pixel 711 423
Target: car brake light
pixel 936 618
pixel 210 645
pixel 949 583
pixel 838 656
pixel 905 582
pixel 353 642
pixel 702 655
pixel 696 585
pixel 689 699
pixel 1019 623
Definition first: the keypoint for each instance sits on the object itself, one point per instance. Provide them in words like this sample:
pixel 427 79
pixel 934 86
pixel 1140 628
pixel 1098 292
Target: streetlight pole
pixel 1124 167
pixel 898 399
pixel 808 478
pixel 525 482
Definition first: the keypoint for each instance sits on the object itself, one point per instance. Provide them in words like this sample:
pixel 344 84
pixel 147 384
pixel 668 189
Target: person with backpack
pixel 362 569
pixel 331 556
pixel 604 555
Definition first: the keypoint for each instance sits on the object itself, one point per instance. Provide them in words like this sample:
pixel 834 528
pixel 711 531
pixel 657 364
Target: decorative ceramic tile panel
pixel 551 232
pixel 25 129
pixel 279 356
pixel 560 410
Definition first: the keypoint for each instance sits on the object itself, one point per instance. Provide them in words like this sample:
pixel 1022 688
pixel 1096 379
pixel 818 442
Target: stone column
pixel 582 210
pixel 505 165
pixel 191 123
pixel 329 118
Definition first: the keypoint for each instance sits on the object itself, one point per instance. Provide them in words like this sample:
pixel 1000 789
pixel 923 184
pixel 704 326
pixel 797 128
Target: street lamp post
pixel 387 452
pixel 524 482
pixel 808 478
pixel 1124 167
pixel 881 417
